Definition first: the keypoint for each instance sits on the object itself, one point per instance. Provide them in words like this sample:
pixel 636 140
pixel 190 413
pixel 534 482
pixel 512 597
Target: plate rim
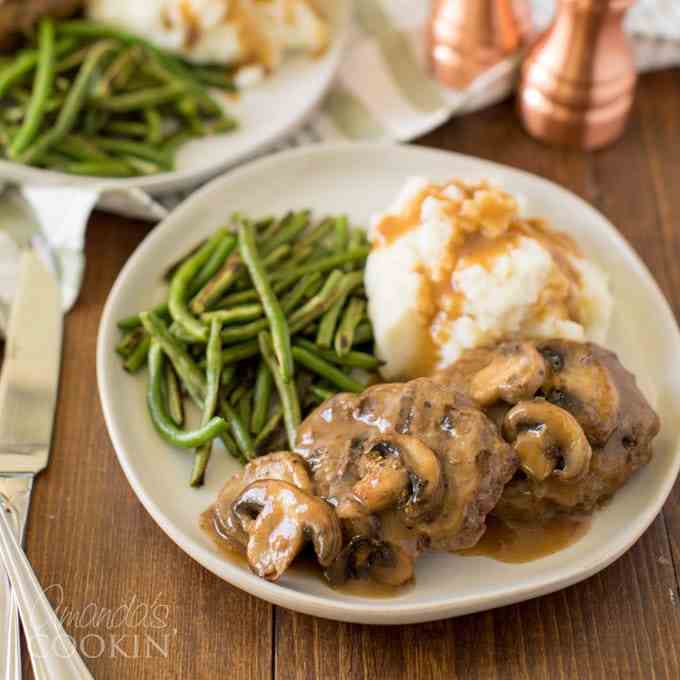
pixel 168 182
pixel 378 611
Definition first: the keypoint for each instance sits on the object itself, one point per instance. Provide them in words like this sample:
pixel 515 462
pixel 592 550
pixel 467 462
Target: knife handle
pixel 52 651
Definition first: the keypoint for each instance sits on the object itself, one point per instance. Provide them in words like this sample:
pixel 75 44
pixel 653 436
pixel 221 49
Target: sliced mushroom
pixel 542 434
pixel 279 519
pixel 367 557
pixel 282 465
pixel 400 470
pixel 516 372
pixel 580 382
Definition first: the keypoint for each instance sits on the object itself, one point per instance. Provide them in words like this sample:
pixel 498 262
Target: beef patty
pixel 589 383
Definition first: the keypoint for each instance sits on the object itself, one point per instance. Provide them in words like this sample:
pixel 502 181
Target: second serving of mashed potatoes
pixel 457 265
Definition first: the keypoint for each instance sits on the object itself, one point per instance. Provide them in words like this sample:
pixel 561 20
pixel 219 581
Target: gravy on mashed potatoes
pixel 456 266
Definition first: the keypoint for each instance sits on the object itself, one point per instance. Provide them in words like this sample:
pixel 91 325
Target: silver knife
pixel 29 382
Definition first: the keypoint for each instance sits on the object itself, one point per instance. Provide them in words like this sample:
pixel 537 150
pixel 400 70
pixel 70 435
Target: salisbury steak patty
pixel 590 384
pixel 416 457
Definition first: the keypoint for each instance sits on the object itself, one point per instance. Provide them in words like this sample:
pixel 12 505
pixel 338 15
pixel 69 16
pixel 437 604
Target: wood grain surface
pixel 98 549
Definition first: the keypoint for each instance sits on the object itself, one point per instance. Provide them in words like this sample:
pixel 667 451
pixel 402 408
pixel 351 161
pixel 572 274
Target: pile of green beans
pixel 263 321
pixel 87 99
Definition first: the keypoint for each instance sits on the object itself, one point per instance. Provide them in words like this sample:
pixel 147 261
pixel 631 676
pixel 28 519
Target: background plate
pixel 360 180
pixel 266 113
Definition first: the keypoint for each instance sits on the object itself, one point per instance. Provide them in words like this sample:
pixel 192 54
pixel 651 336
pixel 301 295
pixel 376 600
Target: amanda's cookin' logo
pixel 132 630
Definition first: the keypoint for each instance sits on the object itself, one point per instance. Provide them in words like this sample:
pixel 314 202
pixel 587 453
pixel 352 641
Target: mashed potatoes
pixel 237 32
pixel 455 266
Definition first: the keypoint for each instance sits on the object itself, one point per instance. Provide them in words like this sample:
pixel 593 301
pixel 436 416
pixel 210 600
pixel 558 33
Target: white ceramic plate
pixel 362 179
pixel 266 113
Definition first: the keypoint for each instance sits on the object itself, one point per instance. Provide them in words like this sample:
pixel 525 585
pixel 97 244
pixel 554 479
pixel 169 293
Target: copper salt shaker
pixel 578 80
pixel 467 37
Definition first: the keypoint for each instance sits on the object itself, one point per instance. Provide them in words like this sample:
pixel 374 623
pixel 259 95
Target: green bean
pixel 212 79
pixel 73 60
pixel 341 234
pixel 235 299
pixel 245 407
pixel 231 447
pixel 42 89
pixel 286 390
pixel 217 285
pixel 263 391
pixel 237 353
pixel 134 101
pixel 127 63
pixel 238 392
pixel 328 323
pixel 320 303
pixel 291 226
pixel 180 286
pixel 133 148
pixel 186 369
pixel 129 342
pixel 72 106
pixel 138 357
pixel 132 322
pixel 326 370
pixel 141 167
pixel 212 390
pixel 344 338
pixel 154 125
pixel 363 334
pixel 357 238
pixel 269 427
pixel 288 303
pixel 352 359
pixel 81 149
pixel 174 74
pixel 159 417
pixel 318 233
pixel 228 373
pixel 96 168
pixel 239 430
pixel 25 62
pixel 227 316
pixel 174 396
pixel 224 248
pixel 129 128
pixel 94 121
pixel 272 307
pixel 325 264
pixel 321 393
pixel 104 85
pixel 221 125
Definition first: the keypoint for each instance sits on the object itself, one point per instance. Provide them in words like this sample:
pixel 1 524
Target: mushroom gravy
pixel 525 542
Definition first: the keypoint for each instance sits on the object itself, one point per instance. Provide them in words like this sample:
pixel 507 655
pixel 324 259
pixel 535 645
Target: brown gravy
pixel 525 543
pixel 513 545
pixel 304 566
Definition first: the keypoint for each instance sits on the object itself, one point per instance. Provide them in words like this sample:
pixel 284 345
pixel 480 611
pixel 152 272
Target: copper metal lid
pixel 578 80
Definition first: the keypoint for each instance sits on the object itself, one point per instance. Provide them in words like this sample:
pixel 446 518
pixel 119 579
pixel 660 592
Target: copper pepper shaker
pixel 467 37
pixel 578 80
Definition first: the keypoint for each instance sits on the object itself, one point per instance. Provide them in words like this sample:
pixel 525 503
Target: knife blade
pixel 30 374
pixel 29 382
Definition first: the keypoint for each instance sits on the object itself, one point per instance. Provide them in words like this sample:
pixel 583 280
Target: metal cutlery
pixel 28 391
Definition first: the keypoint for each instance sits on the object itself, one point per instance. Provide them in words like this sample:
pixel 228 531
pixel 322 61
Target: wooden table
pixel 90 536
